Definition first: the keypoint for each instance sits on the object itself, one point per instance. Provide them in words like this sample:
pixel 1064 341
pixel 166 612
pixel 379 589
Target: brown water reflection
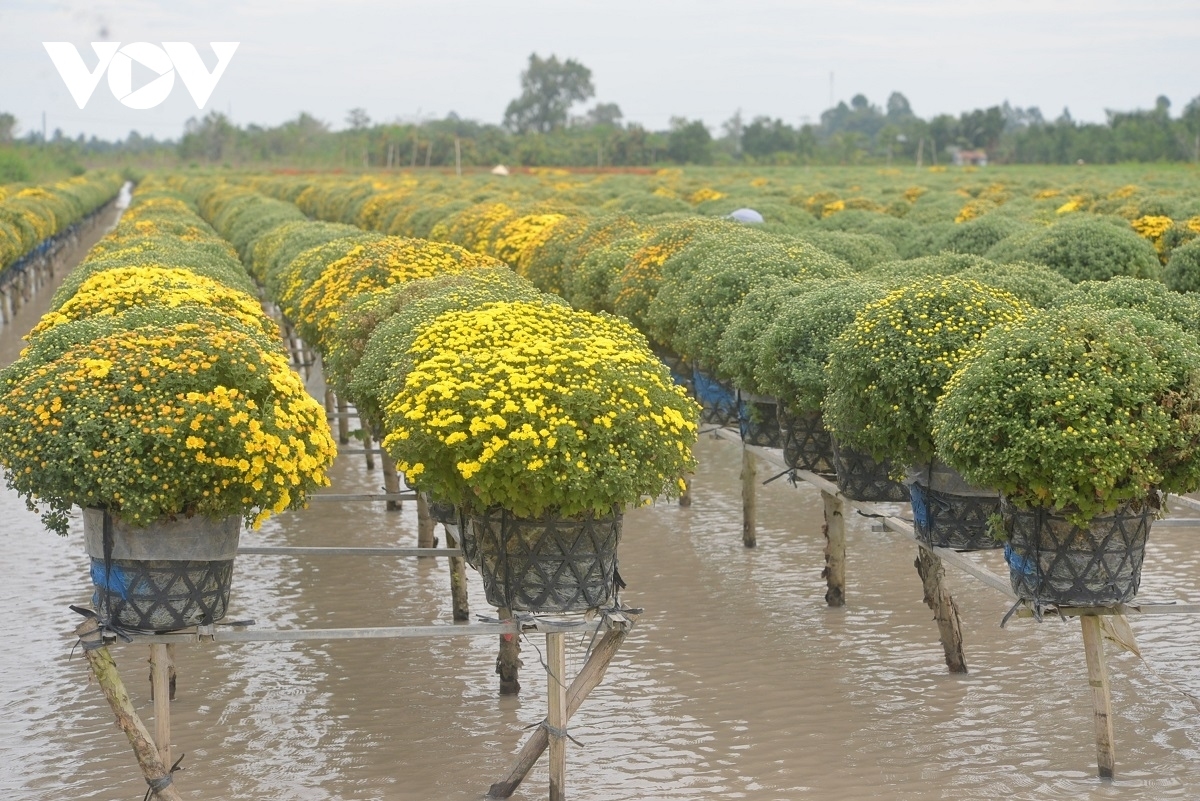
pixel 738 682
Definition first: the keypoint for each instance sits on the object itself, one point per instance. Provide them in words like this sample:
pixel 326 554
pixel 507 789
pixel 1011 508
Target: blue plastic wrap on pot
pixel 1019 563
pixel 920 506
pixel 718 401
pixel 113 580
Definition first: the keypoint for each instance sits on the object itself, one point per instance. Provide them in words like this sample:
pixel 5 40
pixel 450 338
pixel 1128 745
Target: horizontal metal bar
pixel 1183 500
pixel 1121 609
pixel 365 496
pixel 289 550
pixel 222 634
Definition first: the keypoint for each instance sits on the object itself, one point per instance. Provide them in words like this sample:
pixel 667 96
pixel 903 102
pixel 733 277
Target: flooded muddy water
pixel 738 682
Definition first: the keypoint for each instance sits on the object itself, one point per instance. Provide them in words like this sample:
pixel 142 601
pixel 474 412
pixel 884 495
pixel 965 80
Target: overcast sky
pixel 655 58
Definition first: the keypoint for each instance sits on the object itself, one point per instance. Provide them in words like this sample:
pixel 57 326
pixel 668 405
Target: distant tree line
pixel 539 129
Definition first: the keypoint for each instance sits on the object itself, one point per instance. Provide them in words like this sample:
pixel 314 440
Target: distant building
pixel 967 158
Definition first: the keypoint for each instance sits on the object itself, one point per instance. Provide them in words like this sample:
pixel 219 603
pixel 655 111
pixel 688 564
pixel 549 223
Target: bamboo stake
pixel 685 497
pixel 424 523
pixel 458 579
pixel 172 675
pixel 1097 668
pixel 508 660
pixel 945 610
pixel 368 447
pixel 749 480
pixel 587 680
pixel 556 713
pixel 835 550
pixel 105 671
pixel 330 405
pixel 343 415
pixel 161 682
pixel 391 481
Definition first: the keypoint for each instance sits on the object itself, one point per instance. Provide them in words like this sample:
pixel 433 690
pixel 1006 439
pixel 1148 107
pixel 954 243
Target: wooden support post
pixel 749 481
pixel 1097 668
pixel 685 497
pixel 587 680
pixel 508 661
pixel 297 349
pixel 835 550
pixel 368 445
pixel 945 610
pixel 556 713
pixel 391 481
pixel 425 523
pixel 330 405
pixel 160 681
pixel 172 674
pixel 105 671
pixel 458 578
pixel 343 422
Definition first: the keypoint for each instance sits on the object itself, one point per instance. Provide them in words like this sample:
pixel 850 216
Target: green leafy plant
pixel 888 369
pixel 1035 284
pixel 859 250
pixel 1077 409
pixel 1083 247
pixel 1182 272
pixel 979 235
pixel 704 283
pixel 1139 294
pixel 790 355
pixel 754 317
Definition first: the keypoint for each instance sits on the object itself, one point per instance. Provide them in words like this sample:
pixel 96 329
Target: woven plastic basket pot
pixel 681 371
pixel 441 512
pixel 718 401
pixel 548 564
pixel 1053 561
pixel 162 577
pixel 468 542
pixel 806 443
pixel 758 420
pixel 950 513
pixel 861 478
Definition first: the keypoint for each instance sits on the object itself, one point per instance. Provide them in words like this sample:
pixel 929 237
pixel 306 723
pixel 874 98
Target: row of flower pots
pixel 32 216
pixel 896 359
pixel 535 423
pixel 156 396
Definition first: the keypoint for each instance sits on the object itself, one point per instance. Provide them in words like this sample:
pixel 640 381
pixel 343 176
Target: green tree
pixel 764 137
pixel 549 88
pixel 8 125
pixel 605 115
pixel 689 142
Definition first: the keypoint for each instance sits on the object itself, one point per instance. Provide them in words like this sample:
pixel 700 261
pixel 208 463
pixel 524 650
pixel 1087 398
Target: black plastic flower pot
pixel 1052 561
